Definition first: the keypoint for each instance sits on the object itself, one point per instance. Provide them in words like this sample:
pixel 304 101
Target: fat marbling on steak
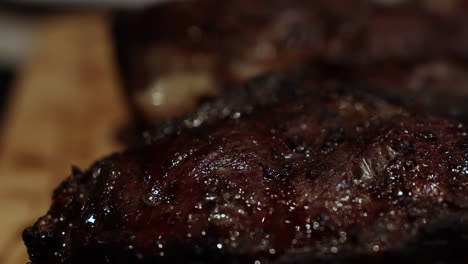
pixel 274 172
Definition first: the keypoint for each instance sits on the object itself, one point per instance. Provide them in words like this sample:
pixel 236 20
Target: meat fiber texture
pixel 277 171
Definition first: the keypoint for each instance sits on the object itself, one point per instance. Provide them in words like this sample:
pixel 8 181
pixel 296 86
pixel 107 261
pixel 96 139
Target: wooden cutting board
pixel 66 108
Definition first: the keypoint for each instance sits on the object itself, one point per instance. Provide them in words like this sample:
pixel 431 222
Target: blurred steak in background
pixel 411 50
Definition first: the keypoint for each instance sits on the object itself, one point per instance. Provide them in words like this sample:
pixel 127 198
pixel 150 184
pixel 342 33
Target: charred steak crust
pixel 276 172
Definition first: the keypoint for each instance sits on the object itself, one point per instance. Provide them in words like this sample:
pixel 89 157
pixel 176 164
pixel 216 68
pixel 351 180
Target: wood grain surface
pixel 65 109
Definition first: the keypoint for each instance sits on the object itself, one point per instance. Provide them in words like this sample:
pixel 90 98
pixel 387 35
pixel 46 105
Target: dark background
pixel 6 76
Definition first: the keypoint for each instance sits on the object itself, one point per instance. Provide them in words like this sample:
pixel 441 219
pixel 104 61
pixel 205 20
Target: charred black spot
pixel 297 146
pixel 290 143
pixel 403 146
pixel 77 172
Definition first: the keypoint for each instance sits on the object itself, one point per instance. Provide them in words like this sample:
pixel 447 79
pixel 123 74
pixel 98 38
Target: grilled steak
pixel 277 171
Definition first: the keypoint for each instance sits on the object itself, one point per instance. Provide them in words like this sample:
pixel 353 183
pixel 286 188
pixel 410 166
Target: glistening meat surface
pixel 277 172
